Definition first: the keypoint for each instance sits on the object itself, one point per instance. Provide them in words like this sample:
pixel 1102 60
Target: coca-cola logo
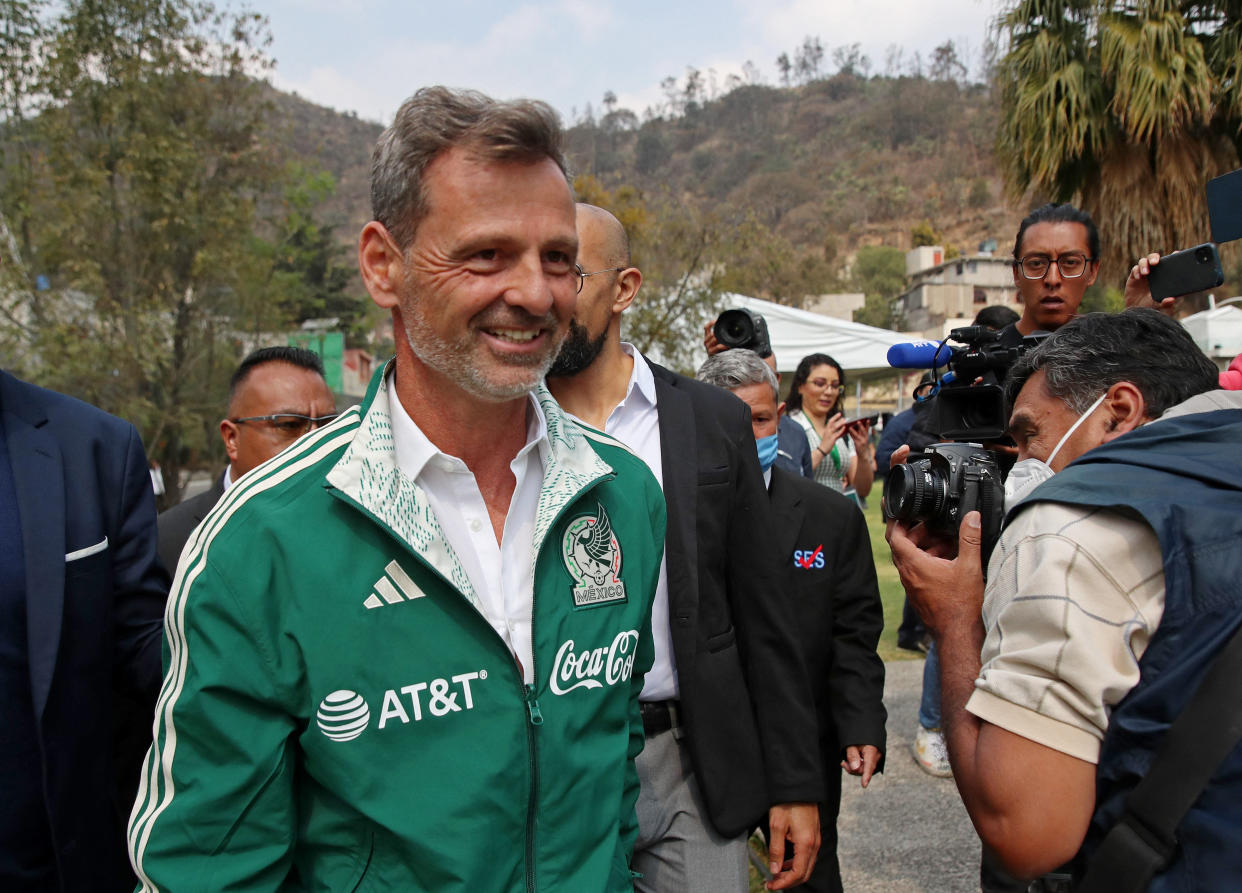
pixel 585 668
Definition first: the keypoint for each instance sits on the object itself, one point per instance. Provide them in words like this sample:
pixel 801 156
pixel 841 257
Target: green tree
pixel 923 234
pixel 879 272
pixel 137 208
pixel 309 274
pixel 1125 108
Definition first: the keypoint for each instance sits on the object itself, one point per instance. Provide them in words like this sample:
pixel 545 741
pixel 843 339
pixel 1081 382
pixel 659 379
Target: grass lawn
pixel 891 593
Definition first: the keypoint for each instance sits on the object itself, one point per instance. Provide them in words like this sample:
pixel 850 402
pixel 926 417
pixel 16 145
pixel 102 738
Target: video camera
pixel 970 398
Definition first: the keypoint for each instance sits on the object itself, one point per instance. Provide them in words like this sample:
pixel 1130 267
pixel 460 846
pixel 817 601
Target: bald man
pixel 727 710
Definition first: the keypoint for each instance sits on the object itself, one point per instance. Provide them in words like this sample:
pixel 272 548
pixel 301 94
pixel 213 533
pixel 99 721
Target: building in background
pixel 945 294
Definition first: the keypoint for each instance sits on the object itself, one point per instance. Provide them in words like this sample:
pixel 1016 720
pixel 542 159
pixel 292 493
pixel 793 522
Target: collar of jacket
pixel 367 475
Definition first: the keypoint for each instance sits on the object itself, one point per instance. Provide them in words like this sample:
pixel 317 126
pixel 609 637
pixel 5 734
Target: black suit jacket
pixel 838 608
pixel 822 538
pixel 746 706
pixel 177 523
pixel 95 595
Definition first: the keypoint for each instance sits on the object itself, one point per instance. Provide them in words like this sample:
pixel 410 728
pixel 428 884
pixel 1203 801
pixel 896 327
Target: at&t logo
pixel 343 715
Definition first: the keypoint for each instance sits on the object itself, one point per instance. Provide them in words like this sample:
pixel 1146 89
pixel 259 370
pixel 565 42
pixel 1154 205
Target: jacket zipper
pixel 535 719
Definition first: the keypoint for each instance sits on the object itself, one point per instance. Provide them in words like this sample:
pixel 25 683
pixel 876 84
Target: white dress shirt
pixel 502 574
pixel 636 424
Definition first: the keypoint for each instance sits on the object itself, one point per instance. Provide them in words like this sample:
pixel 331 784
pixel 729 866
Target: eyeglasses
pixel 1036 266
pixel 826 384
pixel 582 275
pixel 288 424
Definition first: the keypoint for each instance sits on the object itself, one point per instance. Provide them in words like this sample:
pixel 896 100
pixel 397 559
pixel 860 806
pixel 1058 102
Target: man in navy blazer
pixel 82 594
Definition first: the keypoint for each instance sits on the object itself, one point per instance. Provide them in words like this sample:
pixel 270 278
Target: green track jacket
pixel 338 715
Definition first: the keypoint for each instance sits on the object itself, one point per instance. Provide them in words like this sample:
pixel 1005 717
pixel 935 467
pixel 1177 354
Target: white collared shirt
pixel 636 423
pixel 502 574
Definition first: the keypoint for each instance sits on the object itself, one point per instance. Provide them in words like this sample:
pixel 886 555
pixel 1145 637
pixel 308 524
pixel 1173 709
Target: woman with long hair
pixel 841 454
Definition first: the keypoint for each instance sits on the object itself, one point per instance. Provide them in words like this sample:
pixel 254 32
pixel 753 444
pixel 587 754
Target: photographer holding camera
pixel 1109 596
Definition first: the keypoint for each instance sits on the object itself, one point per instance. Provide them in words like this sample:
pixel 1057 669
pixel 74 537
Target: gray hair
pixel 438 118
pixel 738 368
pixel 1091 353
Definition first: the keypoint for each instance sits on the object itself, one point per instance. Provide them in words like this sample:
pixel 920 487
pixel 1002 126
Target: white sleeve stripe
pixel 233 496
pixel 143 817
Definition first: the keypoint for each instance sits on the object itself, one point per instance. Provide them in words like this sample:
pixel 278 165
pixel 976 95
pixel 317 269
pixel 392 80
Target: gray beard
pixel 452 361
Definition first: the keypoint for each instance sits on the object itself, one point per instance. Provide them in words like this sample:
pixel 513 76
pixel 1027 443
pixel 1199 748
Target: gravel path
pixel 908 832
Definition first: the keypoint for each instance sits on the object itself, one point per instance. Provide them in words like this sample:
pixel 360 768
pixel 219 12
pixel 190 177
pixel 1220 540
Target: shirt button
pixel 476 525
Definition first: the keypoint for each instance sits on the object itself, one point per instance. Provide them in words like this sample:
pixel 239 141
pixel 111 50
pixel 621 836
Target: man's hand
pixel 861 761
pixel 709 340
pixel 943 579
pixel 799 822
pixel 1138 289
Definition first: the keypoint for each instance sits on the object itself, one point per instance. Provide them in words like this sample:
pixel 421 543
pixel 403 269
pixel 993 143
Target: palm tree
pixel 1127 109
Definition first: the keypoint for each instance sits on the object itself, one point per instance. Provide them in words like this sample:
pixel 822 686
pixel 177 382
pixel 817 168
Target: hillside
pixel 324 139
pixel 830 165
pixel 825 167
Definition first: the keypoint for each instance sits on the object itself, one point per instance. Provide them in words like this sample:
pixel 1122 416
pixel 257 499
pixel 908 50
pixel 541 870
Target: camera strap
pixel 1144 839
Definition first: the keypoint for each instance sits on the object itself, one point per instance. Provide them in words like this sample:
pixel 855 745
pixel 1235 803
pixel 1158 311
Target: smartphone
pixel 872 419
pixel 1183 272
pixel 1224 200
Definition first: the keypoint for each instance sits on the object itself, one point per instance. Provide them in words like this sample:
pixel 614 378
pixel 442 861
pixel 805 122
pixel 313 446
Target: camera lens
pixel 913 492
pixel 734 328
pixel 1203 255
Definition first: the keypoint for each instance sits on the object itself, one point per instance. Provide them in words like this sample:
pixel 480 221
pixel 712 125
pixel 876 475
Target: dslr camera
pixel 742 329
pixel 940 485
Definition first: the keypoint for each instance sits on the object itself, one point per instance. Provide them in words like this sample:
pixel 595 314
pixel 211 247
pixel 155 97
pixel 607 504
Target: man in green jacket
pixel 405 654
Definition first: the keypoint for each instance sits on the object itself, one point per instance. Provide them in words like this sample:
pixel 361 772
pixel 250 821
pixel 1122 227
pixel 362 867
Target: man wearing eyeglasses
pixel 276 395
pixel 1056 258
pixel 727 710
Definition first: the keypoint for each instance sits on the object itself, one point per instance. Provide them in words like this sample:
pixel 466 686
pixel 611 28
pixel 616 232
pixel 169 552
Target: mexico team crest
pixel 593 559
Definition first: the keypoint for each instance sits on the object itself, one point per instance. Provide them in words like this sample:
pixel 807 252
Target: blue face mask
pixel 767 451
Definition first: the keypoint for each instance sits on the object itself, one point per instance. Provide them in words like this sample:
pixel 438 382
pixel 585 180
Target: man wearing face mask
pixel 1111 590
pixel 830 574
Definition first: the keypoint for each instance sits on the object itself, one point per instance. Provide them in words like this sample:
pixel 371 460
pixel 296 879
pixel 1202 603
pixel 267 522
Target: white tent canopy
pixel 1218 330
pixel 795 333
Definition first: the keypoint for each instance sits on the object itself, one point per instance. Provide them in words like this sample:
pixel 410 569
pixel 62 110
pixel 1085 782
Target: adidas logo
pixel 393 588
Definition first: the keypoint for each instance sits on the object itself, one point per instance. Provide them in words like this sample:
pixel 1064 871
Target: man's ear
pixel 381 264
pixel 1093 270
pixel 629 281
pixel 780 409
pixel 1126 410
pixel 228 433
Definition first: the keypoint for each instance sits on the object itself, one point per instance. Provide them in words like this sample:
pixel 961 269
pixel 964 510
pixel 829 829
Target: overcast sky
pixel 366 56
